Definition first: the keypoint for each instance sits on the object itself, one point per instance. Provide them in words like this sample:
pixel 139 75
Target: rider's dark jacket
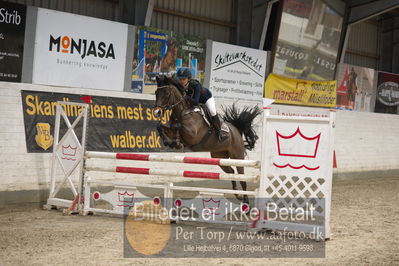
pixel 197 94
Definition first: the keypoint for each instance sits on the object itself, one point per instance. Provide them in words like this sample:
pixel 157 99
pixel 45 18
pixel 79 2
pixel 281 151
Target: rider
pixel 200 95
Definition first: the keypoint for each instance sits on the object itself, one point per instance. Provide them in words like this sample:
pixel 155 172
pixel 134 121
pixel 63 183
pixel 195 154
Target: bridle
pixel 167 107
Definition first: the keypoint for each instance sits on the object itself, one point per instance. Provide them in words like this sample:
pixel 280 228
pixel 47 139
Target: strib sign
pixel 235 72
pixel 79 51
pixel 12 32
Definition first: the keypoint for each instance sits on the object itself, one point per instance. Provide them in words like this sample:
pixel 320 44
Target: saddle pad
pixel 224 127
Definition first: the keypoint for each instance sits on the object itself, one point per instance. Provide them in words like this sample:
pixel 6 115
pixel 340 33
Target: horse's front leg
pixel 177 138
pixel 166 134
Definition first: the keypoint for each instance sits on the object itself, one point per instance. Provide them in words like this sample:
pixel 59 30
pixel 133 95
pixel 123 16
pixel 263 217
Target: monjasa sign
pixel 72 44
pixel 83 47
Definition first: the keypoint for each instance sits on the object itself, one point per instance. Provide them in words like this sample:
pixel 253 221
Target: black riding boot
pixel 216 123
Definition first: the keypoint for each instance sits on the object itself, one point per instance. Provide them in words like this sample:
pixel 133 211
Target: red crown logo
pixel 297 144
pixel 125 197
pixel 211 205
pixel 69 150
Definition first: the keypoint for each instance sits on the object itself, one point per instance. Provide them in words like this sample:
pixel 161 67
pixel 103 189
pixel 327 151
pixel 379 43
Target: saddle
pixel 206 115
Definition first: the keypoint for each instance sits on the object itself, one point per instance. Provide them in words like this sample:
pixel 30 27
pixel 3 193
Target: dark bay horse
pixel 188 128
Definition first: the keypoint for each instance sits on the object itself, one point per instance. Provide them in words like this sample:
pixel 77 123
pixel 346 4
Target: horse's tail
pixel 242 120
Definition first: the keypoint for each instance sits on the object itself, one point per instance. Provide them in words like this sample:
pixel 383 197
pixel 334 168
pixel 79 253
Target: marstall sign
pixel 388 93
pixel 301 92
pixel 236 72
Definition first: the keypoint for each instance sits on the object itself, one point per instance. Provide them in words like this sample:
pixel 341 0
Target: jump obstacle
pixel 296 164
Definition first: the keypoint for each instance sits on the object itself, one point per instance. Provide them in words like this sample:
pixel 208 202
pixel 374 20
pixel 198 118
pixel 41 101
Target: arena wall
pixel 364 141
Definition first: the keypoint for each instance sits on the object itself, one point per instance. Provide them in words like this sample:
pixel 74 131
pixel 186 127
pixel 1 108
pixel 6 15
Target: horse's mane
pixel 175 83
pixel 164 80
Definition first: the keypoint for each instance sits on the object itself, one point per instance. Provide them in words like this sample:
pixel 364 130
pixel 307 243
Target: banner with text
pixel 236 72
pixel 78 51
pixel 12 32
pixel 115 124
pixel 301 92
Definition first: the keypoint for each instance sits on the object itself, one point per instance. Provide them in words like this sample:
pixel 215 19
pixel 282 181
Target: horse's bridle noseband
pixel 168 106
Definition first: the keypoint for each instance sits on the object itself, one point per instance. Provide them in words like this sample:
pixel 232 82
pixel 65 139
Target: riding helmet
pixel 183 73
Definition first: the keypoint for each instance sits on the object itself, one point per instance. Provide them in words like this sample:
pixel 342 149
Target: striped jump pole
pixel 173 159
pixel 175 173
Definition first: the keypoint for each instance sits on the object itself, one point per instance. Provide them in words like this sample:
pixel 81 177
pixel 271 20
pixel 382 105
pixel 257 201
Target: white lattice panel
pixel 297 160
pixel 294 191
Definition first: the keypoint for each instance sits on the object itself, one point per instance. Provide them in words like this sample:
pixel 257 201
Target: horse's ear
pixel 161 79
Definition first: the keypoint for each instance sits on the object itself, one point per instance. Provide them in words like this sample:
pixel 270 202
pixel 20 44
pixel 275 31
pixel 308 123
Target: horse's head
pixel 168 94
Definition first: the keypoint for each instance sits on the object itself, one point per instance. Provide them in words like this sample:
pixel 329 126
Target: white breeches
pixel 210 103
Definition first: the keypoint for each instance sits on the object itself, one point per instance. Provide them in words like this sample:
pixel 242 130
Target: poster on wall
pixel 308 40
pixel 12 33
pixel 78 51
pixel 387 98
pixel 235 72
pixel 115 125
pixel 301 92
pixel 356 88
pixel 160 51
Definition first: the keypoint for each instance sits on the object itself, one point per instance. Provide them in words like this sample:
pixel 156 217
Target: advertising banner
pixel 115 124
pixel 299 62
pixel 236 72
pixel 308 40
pixel 160 51
pixel 387 93
pixel 301 92
pixel 78 51
pixel 356 88
pixel 12 32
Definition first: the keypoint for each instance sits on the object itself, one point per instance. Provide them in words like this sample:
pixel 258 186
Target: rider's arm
pixel 196 87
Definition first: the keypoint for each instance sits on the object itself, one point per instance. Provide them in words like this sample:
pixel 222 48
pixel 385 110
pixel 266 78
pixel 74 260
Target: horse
pixel 188 127
pixel 168 62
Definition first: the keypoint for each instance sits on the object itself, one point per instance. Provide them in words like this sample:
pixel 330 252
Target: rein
pixel 169 106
